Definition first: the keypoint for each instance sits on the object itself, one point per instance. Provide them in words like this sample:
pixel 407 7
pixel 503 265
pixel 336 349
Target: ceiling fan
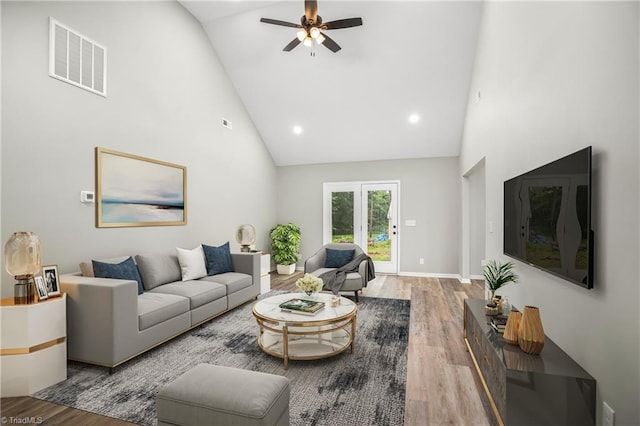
pixel 311 27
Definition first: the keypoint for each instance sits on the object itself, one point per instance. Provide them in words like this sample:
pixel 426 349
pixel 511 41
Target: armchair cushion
pixel 337 258
pixel 218 259
pixel 126 270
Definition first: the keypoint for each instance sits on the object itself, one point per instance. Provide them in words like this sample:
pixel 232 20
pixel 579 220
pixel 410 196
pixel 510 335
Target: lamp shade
pixel 246 235
pixel 23 254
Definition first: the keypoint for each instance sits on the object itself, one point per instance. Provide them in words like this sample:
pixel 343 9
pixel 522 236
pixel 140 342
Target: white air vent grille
pixel 77 60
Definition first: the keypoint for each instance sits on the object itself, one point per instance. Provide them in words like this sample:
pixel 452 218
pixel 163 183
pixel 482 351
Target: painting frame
pixel 41 288
pixel 51 279
pixel 137 191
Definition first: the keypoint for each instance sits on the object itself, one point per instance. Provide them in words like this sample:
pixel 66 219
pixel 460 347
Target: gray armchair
pixel 355 281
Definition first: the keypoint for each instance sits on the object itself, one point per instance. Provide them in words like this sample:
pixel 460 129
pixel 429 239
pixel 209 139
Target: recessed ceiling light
pixel 414 118
pixel 297 130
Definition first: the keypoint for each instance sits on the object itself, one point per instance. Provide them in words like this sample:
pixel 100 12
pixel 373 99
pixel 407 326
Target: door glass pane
pixel 378 224
pixel 342 217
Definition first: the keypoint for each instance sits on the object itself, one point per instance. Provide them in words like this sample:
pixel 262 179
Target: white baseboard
pixel 429 275
pixel 438 275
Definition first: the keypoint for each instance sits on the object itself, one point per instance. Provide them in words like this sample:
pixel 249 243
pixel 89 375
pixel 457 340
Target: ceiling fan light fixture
pixel 314 32
pixel 302 34
pixel 308 41
pixel 320 39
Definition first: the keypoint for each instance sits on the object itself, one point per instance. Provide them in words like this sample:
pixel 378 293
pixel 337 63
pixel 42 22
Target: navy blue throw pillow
pixel 126 270
pixel 218 259
pixel 338 258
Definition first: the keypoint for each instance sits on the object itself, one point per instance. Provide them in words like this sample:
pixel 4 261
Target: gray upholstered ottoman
pixel 215 395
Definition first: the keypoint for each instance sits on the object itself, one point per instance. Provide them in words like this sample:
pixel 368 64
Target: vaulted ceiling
pixel 408 58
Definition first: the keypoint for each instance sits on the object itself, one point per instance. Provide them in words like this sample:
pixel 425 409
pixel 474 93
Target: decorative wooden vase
pixel 530 331
pixel 511 329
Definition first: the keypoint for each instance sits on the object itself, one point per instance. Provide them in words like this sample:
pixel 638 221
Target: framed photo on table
pixel 51 279
pixel 41 288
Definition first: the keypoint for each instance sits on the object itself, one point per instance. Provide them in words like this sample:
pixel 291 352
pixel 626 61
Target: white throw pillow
pixel 192 263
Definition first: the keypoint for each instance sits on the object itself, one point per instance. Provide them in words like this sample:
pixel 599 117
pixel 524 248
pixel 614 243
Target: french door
pixel 364 213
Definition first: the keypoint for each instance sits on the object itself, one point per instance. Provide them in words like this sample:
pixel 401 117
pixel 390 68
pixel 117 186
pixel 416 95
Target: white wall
pixel 477 222
pixel 429 194
pixel 167 92
pixel 555 78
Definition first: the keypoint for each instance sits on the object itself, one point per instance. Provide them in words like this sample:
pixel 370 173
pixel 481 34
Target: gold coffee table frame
pixel 293 336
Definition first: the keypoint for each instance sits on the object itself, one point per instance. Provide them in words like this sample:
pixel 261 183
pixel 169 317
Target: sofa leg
pixel 356 293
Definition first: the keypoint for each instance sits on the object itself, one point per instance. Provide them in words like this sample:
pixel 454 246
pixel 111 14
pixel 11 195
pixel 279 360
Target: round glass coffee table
pixel 296 336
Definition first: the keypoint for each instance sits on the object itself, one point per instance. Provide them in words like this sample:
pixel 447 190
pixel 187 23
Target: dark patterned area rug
pixel 363 388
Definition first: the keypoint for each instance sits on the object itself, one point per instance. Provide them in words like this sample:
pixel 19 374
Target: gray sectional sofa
pixel 109 322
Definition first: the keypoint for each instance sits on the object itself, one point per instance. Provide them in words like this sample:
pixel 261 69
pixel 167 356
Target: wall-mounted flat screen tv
pixel 547 218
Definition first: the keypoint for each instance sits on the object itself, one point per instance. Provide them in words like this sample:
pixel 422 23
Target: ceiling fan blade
pixel 311 10
pixel 281 23
pixel 330 44
pixel 291 45
pixel 342 23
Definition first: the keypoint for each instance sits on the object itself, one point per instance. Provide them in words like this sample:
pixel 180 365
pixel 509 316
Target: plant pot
pixel 530 331
pixel 286 269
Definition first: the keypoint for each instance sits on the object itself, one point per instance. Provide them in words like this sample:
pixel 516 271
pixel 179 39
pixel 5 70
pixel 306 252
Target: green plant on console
pixel 285 243
pixel 498 274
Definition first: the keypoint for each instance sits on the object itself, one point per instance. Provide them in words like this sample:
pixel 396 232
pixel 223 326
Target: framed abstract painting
pixel 138 191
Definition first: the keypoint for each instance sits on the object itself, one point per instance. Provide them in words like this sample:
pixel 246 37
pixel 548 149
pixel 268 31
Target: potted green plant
pixel 285 244
pixel 498 274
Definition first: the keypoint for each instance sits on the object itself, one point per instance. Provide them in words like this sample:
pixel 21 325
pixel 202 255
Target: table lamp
pixel 23 259
pixel 246 236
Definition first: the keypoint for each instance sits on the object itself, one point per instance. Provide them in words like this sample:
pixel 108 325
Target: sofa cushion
pixel 234 281
pixel 192 263
pixel 86 267
pixel 154 308
pixel 121 271
pixel 158 269
pixel 218 259
pixel 338 258
pixel 198 292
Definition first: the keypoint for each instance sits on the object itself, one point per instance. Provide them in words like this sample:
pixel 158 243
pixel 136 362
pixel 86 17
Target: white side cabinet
pixel 265 268
pixel 33 345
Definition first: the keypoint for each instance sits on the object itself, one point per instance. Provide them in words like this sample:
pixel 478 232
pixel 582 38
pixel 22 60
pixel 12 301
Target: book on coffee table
pixel 302 306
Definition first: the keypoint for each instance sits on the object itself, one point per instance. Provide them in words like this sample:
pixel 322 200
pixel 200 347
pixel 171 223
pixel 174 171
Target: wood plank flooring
pixel 443 387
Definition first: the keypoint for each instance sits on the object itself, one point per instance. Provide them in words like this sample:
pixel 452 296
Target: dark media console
pixel 545 389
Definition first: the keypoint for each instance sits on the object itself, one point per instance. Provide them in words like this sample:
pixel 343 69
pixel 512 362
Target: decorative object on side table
pixel 285 243
pixel 309 284
pixel 511 331
pixel 530 331
pixel 492 308
pixel 23 258
pixel 497 275
pixel 246 236
pixel 51 279
pixel 41 288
